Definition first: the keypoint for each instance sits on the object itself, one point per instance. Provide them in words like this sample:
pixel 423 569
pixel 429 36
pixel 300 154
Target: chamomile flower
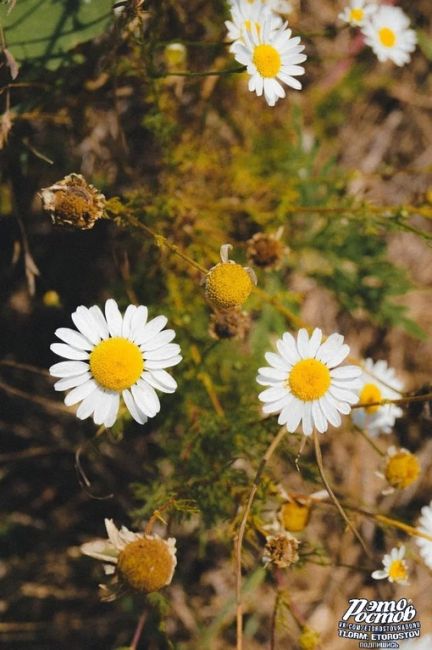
pixel 305 384
pixel 136 561
pixel 357 12
pixel 244 14
pixel 271 57
pixel 425 526
pixel 228 285
pixel 378 382
pixel 388 33
pixel 111 356
pixel 401 469
pixel 278 6
pixel 395 567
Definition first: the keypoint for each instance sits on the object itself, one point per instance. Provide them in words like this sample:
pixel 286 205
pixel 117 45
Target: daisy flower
pixel 357 12
pixel 388 34
pixel 271 56
pixel 425 643
pixel 401 469
pixel 425 526
pixel 278 6
pixel 378 382
pixel 136 561
pixel 395 567
pixel 228 284
pixel 244 14
pixel 305 383
pixel 111 355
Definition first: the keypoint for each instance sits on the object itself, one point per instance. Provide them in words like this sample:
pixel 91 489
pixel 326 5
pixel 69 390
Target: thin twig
pixel 369 440
pixel 138 631
pixel 40 401
pixel 240 536
pixel 333 496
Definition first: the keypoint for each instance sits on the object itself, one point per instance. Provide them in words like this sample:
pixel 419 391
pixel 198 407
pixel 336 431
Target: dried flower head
pixel 281 550
pixel 73 202
pixel 402 468
pixel 136 561
pixel 228 284
pixel 266 250
pixel 309 639
pixel 230 324
pixel 294 515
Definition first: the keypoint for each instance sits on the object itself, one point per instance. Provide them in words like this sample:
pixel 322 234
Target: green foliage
pixel 44 31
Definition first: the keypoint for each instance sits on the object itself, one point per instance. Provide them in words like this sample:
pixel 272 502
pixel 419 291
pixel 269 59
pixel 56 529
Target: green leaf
pixel 46 30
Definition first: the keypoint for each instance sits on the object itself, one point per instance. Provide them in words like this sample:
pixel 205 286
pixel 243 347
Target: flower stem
pixel 333 496
pixel 138 631
pixel 240 536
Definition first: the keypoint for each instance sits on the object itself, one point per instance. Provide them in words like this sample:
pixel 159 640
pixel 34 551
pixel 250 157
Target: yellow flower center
pixel 398 571
pixel 370 394
pixel 387 37
pixel 146 564
pixel 309 379
pixel 267 60
pixel 294 516
pixel 356 15
pixel 116 363
pixel 402 469
pixel 228 285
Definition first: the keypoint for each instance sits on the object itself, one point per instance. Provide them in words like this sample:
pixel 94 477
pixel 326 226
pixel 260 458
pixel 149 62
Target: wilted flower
pixel 115 355
pixel 271 57
pixel 73 202
pixel 388 34
pixel 266 250
pixel 357 12
pixel 305 383
pixel 281 550
pixel 228 284
pixel 395 567
pixel 425 526
pixel 379 382
pixel 230 324
pixel 137 561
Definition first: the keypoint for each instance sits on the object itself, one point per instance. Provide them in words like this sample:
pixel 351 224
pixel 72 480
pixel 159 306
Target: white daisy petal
pixel 307 422
pixel 273 394
pixel 113 534
pixel 291 415
pixel 133 408
pixel 72 382
pixel 73 338
pixel 276 406
pixel 318 417
pixel 102 407
pixel 160 364
pixel 144 400
pixel 164 352
pixel 330 411
pixel 303 343
pixel 100 322
pixel 68 368
pixel 113 318
pixel 80 392
pixel 88 405
pixel 159 341
pixel 315 342
pixel 85 324
pixel 112 412
pixel 139 319
pixel 346 372
pixel 127 321
pixel 161 380
pixel 276 361
pixel 328 348
pixel 150 330
pixel 339 356
pixel 67 352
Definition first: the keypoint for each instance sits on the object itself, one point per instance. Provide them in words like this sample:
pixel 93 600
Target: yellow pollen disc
pixel 294 516
pixel 267 60
pixel 398 571
pixel 116 363
pixel 146 564
pixel 402 469
pixel 228 285
pixel 309 379
pixel 369 395
pixel 387 37
pixel 356 15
